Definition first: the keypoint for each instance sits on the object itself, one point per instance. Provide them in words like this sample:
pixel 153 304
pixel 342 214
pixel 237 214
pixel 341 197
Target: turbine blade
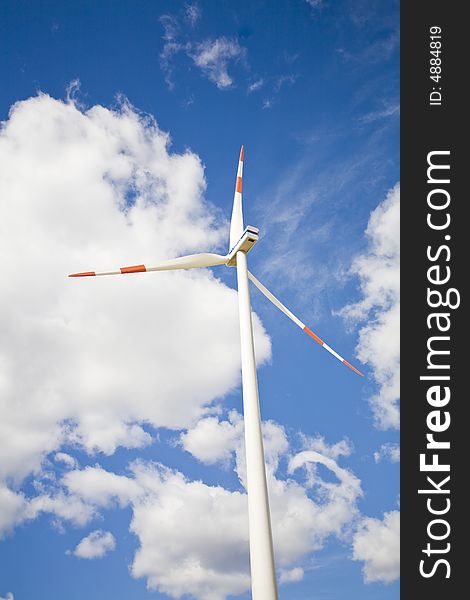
pixel 236 224
pixel 192 261
pixel 298 322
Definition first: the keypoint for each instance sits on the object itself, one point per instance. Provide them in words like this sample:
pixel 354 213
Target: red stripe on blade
pixel 315 337
pixel 85 274
pixel 136 269
pixel 238 187
pixel 353 368
pixel 242 152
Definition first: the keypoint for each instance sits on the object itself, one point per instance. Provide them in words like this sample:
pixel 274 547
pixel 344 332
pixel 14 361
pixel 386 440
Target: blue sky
pixel 122 127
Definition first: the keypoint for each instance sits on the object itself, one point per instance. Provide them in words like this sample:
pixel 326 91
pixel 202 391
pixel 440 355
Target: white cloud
pixel 389 110
pixel 12 507
pixel 72 90
pixel 171 46
pixel 97 363
pixel 192 13
pixel 170 27
pixel 303 515
pixel 255 86
pixel 377 543
pixel 341 495
pixel 193 537
pixel 16 508
pixel 318 443
pixel 9 596
pixel 64 507
pixel 213 56
pixel 282 80
pixel 379 339
pixel 102 488
pixel 65 459
pixel 291 575
pixel 389 452
pixel 211 440
pixel 95 545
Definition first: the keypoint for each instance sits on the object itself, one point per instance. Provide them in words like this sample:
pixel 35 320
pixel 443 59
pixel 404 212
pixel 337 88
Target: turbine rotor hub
pixel 247 240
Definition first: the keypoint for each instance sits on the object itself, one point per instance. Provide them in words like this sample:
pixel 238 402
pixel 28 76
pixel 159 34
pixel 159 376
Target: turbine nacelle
pixel 247 240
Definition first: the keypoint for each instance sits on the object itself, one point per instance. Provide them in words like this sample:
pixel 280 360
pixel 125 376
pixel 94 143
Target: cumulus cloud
pixel 12 507
pixel 304 514
pixel 319 444
pixel 211 440
pixel 65 459
pixel 193 537
pixel 95 545
pixel 102 488
pixel 96 364
pixel 377 543
pixel 213 56
pixel 389 452
pixel 291 575
pixel 62 506
pixel 17 508
pixel 379 339
pixel 9 596
pixel 336 512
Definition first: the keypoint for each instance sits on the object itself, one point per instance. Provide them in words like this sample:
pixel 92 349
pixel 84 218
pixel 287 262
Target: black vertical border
pixel 426 128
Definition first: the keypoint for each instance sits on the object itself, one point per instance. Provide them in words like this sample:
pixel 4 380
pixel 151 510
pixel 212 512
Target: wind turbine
pixel 242 240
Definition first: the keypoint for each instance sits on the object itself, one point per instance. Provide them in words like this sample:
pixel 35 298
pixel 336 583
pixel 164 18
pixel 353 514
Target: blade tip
pixel 86 274
pixel 353 368
pixel 242 152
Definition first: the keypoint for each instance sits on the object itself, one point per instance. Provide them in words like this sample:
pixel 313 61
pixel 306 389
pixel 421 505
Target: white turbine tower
pixel 242 239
